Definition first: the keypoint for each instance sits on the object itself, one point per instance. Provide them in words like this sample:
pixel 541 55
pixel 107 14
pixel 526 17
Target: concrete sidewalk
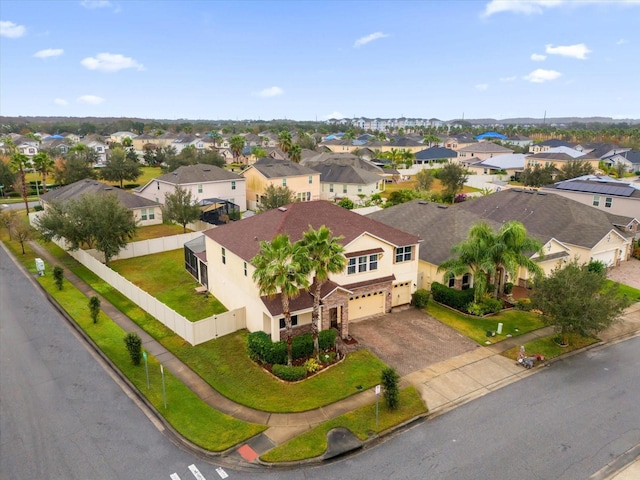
pixel 443 385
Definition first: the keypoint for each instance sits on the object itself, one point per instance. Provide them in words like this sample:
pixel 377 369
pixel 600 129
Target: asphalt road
pixel 63 417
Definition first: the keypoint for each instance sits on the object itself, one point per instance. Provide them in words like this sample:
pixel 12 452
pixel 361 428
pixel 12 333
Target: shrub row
pixel 488 305
pixel 261 348
pixel 458 299
pixel 290 374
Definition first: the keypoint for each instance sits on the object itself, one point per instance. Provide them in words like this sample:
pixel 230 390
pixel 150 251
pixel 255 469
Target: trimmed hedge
pixel 290 374
pixel 458 299
pixel 261 348
pixel 420 298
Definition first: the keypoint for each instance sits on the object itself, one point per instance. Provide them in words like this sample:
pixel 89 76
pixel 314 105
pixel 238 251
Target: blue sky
pixel 308 60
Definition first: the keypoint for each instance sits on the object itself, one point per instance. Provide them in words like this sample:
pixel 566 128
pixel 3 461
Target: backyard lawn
pixel 436 187
pixel 157 231
pixel 514 323
pixel 163 275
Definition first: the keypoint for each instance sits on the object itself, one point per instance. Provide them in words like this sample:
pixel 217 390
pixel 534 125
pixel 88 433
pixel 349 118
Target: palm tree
pixel 18 164
pixel 471 256
pixel 44 164
pixel 326 256
pixel 511 249
pixel 236 144
pixel 295 153
pixel 282 267
pixel 284 141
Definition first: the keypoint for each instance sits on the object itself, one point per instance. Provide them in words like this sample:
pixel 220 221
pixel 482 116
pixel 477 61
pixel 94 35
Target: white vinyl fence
pixel 193 332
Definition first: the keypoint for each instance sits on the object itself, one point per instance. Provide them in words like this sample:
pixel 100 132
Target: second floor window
pixel 331 187
pixel 310 179
pixel 596 200
pixel 224 255
pixel 362 264
pixel 199 188
pixel 233 185
pixel 344 189
pixel 607 202
pixel 403 254
pixel 284 182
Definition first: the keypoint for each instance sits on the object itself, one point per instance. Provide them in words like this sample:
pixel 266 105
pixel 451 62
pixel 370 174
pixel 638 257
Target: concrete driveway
pixel 409 340
pixel 628 273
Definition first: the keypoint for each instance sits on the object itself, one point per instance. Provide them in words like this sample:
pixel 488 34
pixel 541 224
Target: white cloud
pixel 481 87
pixel 536 57
pixel 61 101
pixel 622 41
pixel 11 30
pixel 110 62
pixel 91 99
pixel 369 38
pixel 336 115
pixel 92 4
pixel 540 75
pixel 49 52
pixel 578 50
pixel 270 92
pixel 528 7
pixel 508 79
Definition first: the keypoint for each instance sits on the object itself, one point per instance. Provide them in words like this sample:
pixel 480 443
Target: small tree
pixel 574 299
pixel 275 197
pixel 390 391
pixel 22 231
pixel 453 177
pixel 120 168
pixel 134 344
pixel 424 180
pixel 180 207
pixel 94 308
pixel 58 276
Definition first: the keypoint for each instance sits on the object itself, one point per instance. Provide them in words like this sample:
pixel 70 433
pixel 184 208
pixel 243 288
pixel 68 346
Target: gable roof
pixel 554 142
pixel 333 173
pixel 544 217
pixel 486 147
pixel 434 153
pixel 198 173
pixel 551 215
pixel 93 187
pixel 510 160
pixel 332 158
pixel 274 168
pixel 243 237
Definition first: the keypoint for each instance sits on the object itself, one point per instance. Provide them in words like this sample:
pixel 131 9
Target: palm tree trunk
pixel 315 317
pixel 287 325
pixel 23 179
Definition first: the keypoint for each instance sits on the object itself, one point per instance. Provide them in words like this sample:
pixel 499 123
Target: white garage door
pixel 607 258
pixel 365 305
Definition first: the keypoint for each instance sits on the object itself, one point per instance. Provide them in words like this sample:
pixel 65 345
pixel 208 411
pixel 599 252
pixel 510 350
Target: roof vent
pixel 282 209
pixel 442 206
pixel 422 202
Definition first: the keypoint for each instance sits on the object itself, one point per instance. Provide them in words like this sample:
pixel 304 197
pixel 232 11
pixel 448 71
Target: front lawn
pixel 243 381
pixel 631 293
pixel 163 275
pixel 361 422
pixel 514 322
pixel 547 347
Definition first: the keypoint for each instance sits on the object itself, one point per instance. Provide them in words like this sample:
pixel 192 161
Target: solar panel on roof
pixel 619 190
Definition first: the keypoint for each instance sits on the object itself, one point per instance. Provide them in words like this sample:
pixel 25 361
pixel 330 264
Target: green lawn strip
pixel 163 276
pixel 185 411
pixel 514 322
pixel 243 381
pixel 362 422
pixel 547 347
pixel 157 231
pixel 235 375
pixel 625 290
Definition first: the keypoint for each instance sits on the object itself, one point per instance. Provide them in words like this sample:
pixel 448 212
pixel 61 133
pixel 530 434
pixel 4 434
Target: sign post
pixel 146 366
pixel 164 391
pixel 377 390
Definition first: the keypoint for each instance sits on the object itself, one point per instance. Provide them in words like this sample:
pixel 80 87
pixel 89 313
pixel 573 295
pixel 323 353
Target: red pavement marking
pixel 248 453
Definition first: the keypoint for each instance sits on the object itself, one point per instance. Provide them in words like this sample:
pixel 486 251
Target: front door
pixel 333 316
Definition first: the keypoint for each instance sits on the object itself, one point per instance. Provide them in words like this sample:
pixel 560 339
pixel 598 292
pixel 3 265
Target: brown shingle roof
pixel 198 173
pixel 243 237
pixel 87 186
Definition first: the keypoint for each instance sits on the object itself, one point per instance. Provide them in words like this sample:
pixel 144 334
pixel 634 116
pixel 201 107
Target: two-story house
pixel 202 180
pixel 382 264
pixel 303 181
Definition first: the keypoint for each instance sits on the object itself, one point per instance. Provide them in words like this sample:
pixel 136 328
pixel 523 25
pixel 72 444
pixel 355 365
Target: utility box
pixel 40 267
pixel 499 328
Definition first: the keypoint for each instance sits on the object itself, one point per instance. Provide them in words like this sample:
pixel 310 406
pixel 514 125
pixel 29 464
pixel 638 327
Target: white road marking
pixel 196 472
pixel 174 476
pixel 221 472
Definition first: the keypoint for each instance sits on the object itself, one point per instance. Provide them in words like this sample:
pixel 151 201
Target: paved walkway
pixel 442 385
